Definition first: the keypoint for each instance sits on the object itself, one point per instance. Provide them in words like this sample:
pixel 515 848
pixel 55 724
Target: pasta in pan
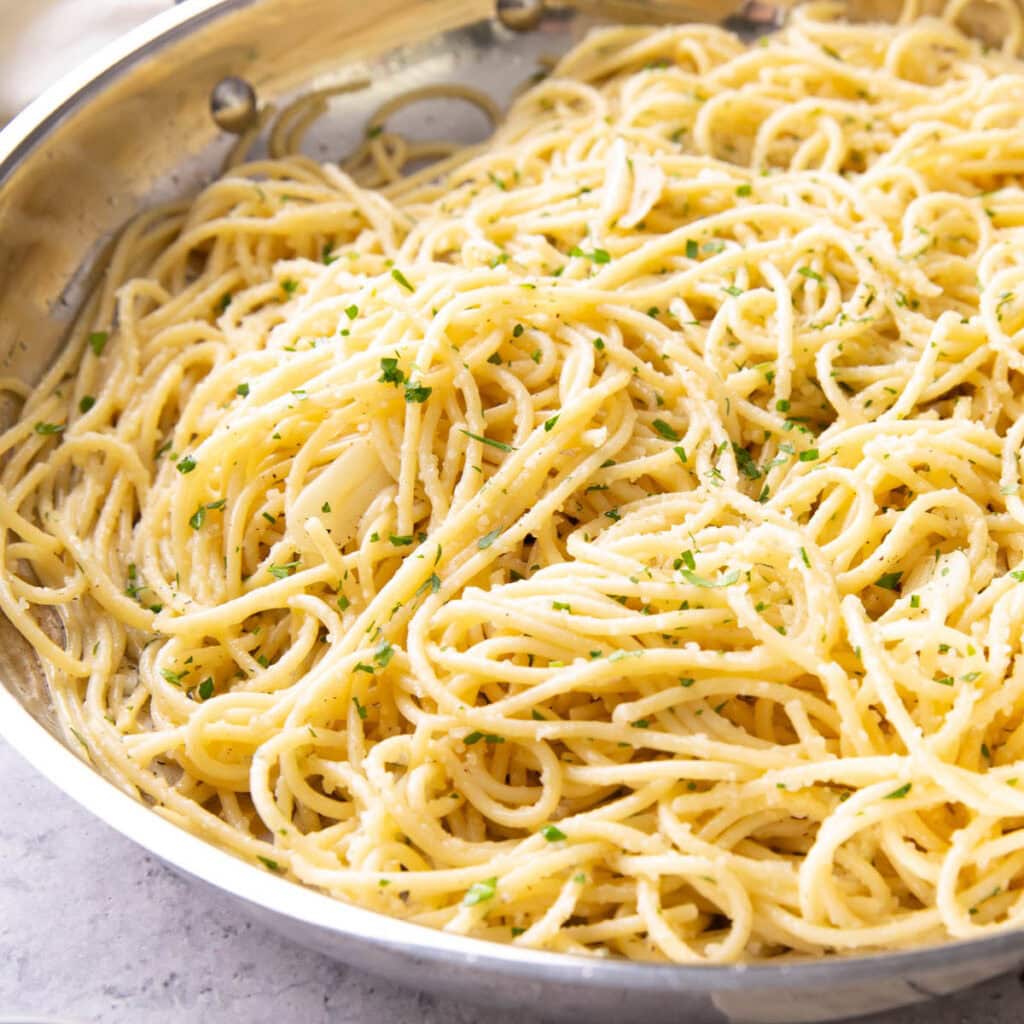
pixel 607 540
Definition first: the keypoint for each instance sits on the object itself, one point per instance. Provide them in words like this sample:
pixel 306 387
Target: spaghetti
pixel 608 540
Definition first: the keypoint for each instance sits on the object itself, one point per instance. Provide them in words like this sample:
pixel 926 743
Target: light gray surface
pixel 96 931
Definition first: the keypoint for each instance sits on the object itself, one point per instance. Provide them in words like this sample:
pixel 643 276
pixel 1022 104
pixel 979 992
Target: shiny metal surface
pixel 233 105
pixel 130 128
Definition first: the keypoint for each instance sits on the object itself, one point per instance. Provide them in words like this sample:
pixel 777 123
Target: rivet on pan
pixel 233 105
pixel 520 15
pixel 755 18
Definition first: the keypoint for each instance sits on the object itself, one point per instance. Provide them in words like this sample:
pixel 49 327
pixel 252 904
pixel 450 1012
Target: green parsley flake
pixel 500 445
pixel 475 737
pixel 480 892
pixel 390 373
pixel 417 393
pixel 402 279
pixel 745 462
pixel 811 275
pixel 597 256
pixel 383 653
pixel 198 517
pixel 889 580
pixel 433 584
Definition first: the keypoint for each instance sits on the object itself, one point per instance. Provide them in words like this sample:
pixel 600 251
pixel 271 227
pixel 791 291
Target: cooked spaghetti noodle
pixel 609 540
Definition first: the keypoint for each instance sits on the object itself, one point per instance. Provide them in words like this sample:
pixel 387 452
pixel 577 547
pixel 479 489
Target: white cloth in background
pixel 42 39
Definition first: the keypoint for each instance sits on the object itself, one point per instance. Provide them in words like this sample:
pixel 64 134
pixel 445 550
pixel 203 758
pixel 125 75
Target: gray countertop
pixel 97 932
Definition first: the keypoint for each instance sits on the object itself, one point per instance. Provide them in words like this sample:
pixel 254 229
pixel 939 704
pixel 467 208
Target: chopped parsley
pixel 416 393
pixel 433 584
pixel 597 256
pixel 198 517
pixel 48 428
pixel 186 465
pixel 889 580
pixel 390 373
pixel 284 570
pixel 488 539
pixel 401 279
pixel 899 794
pixel 745 462
pixel 480 892
pixel 98 341
pixel 475 737
pixel 665 430
pixel 500 445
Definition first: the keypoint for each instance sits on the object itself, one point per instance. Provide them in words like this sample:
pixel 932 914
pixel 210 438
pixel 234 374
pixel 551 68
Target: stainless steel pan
pixel 132 126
